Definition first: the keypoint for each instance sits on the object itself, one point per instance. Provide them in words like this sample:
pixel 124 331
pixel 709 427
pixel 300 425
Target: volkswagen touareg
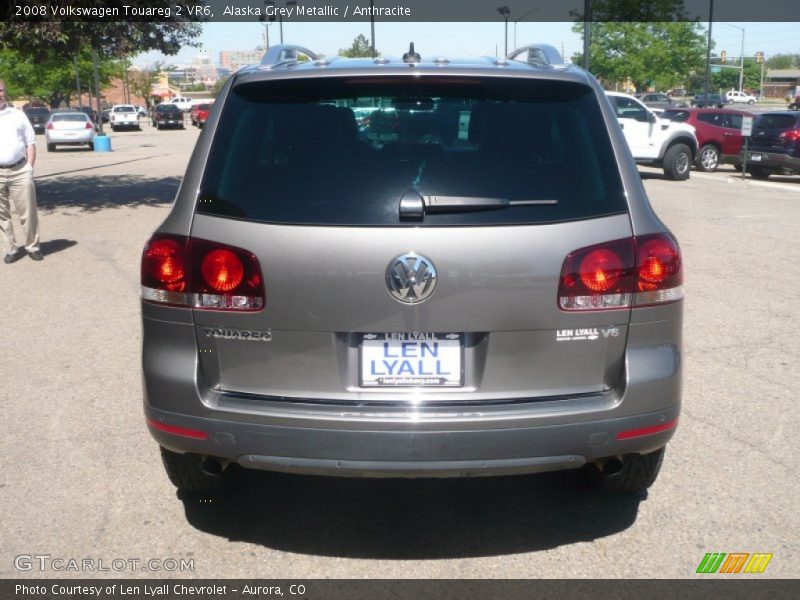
pixel 412 267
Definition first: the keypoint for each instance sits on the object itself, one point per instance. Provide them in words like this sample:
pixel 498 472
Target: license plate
pixel 755 157
pixel 70 134
pixel 411 360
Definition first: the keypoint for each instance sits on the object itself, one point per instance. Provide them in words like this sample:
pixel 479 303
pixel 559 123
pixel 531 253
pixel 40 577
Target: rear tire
pixel 186 474
pixel 677 162
pixel 51 147
pixel 91 145
pixel 759 172
pixel 708 158
pixel 638 473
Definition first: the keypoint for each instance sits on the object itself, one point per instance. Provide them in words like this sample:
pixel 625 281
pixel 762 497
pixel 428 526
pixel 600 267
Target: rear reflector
pixel 175 430
pixel 181 271
pixel 635 433
pixel 631 272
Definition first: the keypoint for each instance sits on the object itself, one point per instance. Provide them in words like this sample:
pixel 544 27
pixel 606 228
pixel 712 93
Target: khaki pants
pixel 18 195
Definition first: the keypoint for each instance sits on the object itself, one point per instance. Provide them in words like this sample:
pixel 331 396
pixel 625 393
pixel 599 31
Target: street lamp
pixel 280 14
pixel 505 13
pixel 741 69
pixel 517 21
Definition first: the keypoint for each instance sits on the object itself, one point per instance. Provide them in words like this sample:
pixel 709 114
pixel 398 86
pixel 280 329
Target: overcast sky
pixel 455 39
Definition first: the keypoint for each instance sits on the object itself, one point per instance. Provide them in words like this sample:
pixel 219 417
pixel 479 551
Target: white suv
pixel 740 98
pixel 185 104
pixel 659 142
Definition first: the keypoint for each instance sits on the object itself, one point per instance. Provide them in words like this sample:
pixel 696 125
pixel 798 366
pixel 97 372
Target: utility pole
pixel 78 80
pixel 741 73
pixel 587 32
pixel 97 90
pixel 708 49
pixel 372 28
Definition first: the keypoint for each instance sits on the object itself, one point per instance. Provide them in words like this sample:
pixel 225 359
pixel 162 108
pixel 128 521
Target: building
pixel 779 81
pixel 236 59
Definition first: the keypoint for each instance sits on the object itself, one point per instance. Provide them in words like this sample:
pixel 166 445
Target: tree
pixel 728 78
pixel 661 54
pixel 359 49
pixel 215 90
pixel 141 83
pixel 783 61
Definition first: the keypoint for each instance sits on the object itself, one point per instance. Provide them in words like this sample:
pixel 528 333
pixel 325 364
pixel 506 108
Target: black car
pixel 167 115
pixel 710 101
pixel 92 114
pixel 774 146
pixel 38 116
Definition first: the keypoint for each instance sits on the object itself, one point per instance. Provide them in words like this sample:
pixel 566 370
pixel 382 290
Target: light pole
pixel 505 13
pixel 517 21
pixel 741 71
pixel 280 14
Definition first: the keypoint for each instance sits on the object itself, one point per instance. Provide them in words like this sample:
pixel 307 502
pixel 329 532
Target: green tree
pixel 728 78
pixel 783 61
pixel 141 82
pixel 359 49
pixel 661 54
pixel 217 87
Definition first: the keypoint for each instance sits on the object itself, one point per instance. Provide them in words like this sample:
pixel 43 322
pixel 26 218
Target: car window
pixel 293 152
pixel 628 108
pixel 711 118
pixel 124 109
pixel 733 121
pixel 679 116
pixel 76 116
pixel 778 121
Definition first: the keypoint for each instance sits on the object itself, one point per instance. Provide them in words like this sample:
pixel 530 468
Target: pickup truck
pixel 124 116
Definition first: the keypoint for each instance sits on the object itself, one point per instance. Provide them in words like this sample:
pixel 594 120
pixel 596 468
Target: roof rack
pixel 285 54
pixel 537 54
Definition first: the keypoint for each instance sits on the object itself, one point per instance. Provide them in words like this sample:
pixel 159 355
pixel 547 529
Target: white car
pixel 182 102
pixel 69 129
pixel 658 142
pixel 740 98
pixel 124 116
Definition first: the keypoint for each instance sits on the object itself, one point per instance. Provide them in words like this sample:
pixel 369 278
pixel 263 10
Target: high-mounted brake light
pixel 190 272
pixel 631 272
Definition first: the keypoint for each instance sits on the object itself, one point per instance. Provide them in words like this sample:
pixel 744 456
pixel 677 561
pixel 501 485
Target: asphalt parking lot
pixel 81 477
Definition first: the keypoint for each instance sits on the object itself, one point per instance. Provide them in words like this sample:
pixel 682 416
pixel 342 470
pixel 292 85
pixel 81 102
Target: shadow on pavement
pixel 411 519
pixel 52 246
pixel 92 193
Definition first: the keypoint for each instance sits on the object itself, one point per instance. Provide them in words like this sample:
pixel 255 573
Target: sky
pixel 454 39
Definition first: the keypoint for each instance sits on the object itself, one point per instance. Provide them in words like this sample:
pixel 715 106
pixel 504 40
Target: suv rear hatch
pixel 770 133
pixel 316 198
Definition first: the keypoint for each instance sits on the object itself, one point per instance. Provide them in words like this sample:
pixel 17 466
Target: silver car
pixel 69 129
pixel 469 281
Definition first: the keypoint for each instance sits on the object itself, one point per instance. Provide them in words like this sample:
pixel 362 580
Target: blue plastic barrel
pixel 102 143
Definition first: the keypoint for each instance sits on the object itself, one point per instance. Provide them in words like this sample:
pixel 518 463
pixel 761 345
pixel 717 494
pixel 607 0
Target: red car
pixel 718 130
pixel 199 114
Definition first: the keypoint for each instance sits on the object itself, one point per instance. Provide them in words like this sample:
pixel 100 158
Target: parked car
pixel 89 112
pixel 677 93
pixel 774 147
pixel 38 116
pixel 106 115
pixel 165 116
pixel 718 132
pixel 498 299
pixel 124 116
pixel 182 102
pixel 702 100
pixel 659 101
pixel 69 128
pixel 793 98
pixel 735 97
pixel 669 145
pixel 199 114
pixel 142 111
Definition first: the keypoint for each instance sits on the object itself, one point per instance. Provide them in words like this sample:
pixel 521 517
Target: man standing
pixel 17 190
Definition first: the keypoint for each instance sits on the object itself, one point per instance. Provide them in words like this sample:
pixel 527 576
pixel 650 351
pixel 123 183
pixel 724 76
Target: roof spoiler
pixel 284 54
pixel 537 54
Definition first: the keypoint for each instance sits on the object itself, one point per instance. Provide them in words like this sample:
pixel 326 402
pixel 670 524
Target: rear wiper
pixel 414 205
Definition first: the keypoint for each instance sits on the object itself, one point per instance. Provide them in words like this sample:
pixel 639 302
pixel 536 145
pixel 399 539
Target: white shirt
pixel 16 134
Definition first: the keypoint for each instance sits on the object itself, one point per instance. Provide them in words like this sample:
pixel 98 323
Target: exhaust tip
pixel 610 466
pixel 212 466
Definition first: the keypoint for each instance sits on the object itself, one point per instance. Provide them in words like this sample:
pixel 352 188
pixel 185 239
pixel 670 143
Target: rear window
pixel 124 109
pixel 36 111
pixel 775 121
pixel 76 116
pixel 344 151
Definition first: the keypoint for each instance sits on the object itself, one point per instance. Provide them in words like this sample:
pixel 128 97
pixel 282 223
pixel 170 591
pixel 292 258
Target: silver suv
pixel 412 268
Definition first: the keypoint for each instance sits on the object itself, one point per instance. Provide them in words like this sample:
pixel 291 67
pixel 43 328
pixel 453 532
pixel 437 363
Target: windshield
pixel 344 151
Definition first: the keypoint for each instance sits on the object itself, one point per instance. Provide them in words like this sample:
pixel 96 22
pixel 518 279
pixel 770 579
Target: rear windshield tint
pixel 342 151
pixel 775 121
pixel 70 117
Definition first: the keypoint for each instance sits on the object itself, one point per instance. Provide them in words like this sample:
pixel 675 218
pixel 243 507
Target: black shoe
pixel 12 257
pixel 36 255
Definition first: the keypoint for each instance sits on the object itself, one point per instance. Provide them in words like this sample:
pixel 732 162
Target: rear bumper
pixel 772 160
pixel 449 453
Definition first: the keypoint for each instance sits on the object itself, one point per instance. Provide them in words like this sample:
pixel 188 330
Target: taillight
pixel 89 126
pixel 50 126
pixel 793 135
pixel 181 271
pixel 631 272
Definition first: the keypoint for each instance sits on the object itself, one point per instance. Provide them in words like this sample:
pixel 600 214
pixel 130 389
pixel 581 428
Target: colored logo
pixel 735 562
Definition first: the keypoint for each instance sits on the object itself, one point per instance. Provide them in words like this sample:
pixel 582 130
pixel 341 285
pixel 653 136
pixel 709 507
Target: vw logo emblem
pixel 411 278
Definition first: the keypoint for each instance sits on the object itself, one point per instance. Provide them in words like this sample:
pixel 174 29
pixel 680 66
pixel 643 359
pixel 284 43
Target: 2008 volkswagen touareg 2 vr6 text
pixel 412 268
